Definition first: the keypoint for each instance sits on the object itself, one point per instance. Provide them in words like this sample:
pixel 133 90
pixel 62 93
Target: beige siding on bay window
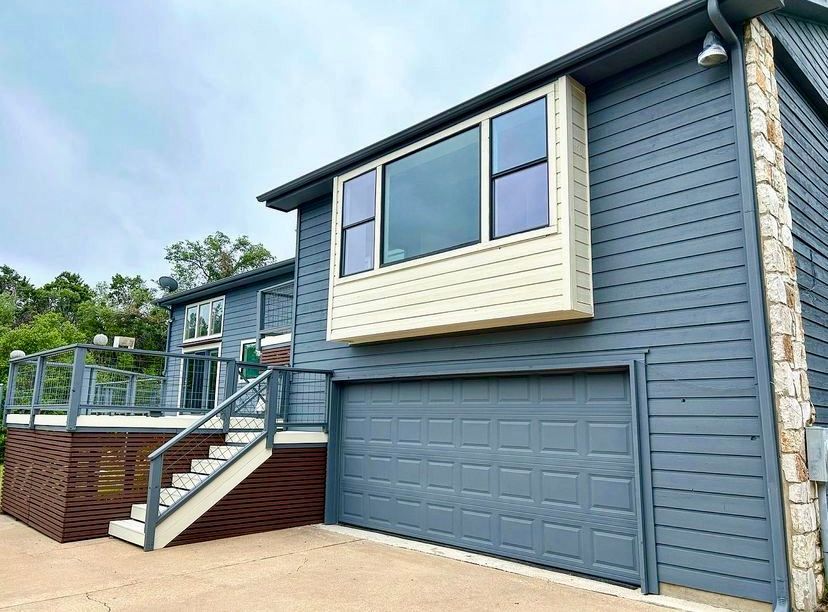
pixel 538 276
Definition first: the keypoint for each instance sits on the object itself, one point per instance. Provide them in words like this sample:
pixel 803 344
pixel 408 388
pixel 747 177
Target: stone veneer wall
pixel 794 410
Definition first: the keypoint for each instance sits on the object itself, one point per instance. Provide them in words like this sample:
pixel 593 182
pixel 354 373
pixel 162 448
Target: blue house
pixel 575 320
pixel 247 317
pixel 579 321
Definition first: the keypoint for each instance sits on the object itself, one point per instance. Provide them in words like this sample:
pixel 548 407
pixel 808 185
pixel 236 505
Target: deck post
pixel 156 470
pixel 9 391
pixel 76 388
pixel 231 378
pixel 274 383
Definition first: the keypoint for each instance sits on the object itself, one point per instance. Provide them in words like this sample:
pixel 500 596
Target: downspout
pixel 761 341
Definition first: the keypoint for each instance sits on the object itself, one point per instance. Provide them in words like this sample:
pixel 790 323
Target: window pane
pixel 250 356
pixel 190 323
pixel 218 316
pixel 203 319
pixel 519 136
pixel 521 200
pixel 358 202
pixel 358 249
pixel 432 199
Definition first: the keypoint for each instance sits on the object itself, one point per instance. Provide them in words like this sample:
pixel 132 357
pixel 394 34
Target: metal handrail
pixel 206 417
pixel 116 349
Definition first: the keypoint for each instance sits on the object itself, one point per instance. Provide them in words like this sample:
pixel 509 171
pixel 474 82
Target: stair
pixel 132 529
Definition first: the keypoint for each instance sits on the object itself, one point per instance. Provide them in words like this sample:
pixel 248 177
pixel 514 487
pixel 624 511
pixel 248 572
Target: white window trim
pixel 197 305
pixel 483 120
pixel 195 349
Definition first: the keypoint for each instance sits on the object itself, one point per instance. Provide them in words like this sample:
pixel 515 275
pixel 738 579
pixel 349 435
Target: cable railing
pixel 83 380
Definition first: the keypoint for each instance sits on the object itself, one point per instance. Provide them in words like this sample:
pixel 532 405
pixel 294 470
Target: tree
pixel 63 295
pixel 125 307
pixel 44 331
pixel 22 293
pixel 194 262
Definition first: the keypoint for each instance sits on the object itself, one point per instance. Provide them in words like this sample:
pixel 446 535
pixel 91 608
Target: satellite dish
pixel 168 283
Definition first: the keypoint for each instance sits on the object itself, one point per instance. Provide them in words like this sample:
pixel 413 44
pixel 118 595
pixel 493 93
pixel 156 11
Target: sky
pixel 127 125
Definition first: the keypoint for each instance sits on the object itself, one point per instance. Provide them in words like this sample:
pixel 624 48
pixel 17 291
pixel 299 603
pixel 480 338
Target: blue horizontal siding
pixel 669 277
pixel 806 167
pixel 807 43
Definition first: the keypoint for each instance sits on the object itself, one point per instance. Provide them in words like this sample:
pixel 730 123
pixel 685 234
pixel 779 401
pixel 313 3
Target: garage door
pixel 538 468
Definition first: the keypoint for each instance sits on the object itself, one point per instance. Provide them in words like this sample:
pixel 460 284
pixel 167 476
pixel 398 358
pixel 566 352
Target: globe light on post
pixel 100 340
pixel 17 354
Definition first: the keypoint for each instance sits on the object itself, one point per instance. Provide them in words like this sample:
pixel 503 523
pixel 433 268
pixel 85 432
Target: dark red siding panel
pixel 287 490
pixel 70 485
pixel 276 355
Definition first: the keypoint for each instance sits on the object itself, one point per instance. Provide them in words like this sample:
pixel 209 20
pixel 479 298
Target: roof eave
pixel 280 268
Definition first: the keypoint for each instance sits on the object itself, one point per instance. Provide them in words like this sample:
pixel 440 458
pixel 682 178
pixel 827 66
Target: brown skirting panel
pixel 276 355
pixel 70 485
pixel 287 490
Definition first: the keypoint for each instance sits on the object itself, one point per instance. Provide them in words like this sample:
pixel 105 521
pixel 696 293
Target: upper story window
pixel 520 175
pixel 431 199
pixel 485 179
pixel 204 320
pixel 358 206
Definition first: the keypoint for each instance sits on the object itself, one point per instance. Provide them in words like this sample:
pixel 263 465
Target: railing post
pixel 274 384
pixel 231 378
pixel 156 471
pixel 40 368
pixel 9 391
pixel 284 396
pixel 76 388
pixel 328 399
pixel 132 390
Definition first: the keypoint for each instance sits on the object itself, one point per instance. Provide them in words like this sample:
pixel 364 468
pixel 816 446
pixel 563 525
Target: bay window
pixel 485 179
pixel 482 224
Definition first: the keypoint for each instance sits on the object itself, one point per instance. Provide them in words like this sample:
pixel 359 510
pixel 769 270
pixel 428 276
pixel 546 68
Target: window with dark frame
pixel 431 199
pixel 519 170
pixel 358 212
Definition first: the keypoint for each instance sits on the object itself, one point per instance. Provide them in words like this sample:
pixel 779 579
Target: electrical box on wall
pixel 816 440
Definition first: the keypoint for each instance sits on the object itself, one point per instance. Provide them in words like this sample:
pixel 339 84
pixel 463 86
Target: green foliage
pixel 45 331
pixel 194 262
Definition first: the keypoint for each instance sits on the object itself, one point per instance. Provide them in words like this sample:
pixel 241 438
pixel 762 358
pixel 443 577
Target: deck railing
pixel 86 379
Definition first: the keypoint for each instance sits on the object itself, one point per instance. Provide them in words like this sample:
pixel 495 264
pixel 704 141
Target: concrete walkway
pixel 308 568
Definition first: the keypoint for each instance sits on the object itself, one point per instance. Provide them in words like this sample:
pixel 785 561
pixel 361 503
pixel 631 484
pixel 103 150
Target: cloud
pixel 125 126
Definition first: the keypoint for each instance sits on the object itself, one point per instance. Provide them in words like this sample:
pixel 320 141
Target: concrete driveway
pixel 308 568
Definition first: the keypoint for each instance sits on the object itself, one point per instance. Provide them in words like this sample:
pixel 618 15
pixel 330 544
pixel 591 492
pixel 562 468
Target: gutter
pixel 759 318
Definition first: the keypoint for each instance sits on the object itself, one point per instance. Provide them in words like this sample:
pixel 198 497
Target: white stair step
pixel 129 530
pixel 187 480
pixel 139 511
pixel 206 466
pixel 240 437
pixel 223 452
pixel 170 494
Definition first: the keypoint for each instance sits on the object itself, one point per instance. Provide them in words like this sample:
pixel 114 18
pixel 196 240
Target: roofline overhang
pixel 280 268
pixel 644 39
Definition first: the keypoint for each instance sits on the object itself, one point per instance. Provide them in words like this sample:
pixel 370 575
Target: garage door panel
pixel 484 504
pixel 538 468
